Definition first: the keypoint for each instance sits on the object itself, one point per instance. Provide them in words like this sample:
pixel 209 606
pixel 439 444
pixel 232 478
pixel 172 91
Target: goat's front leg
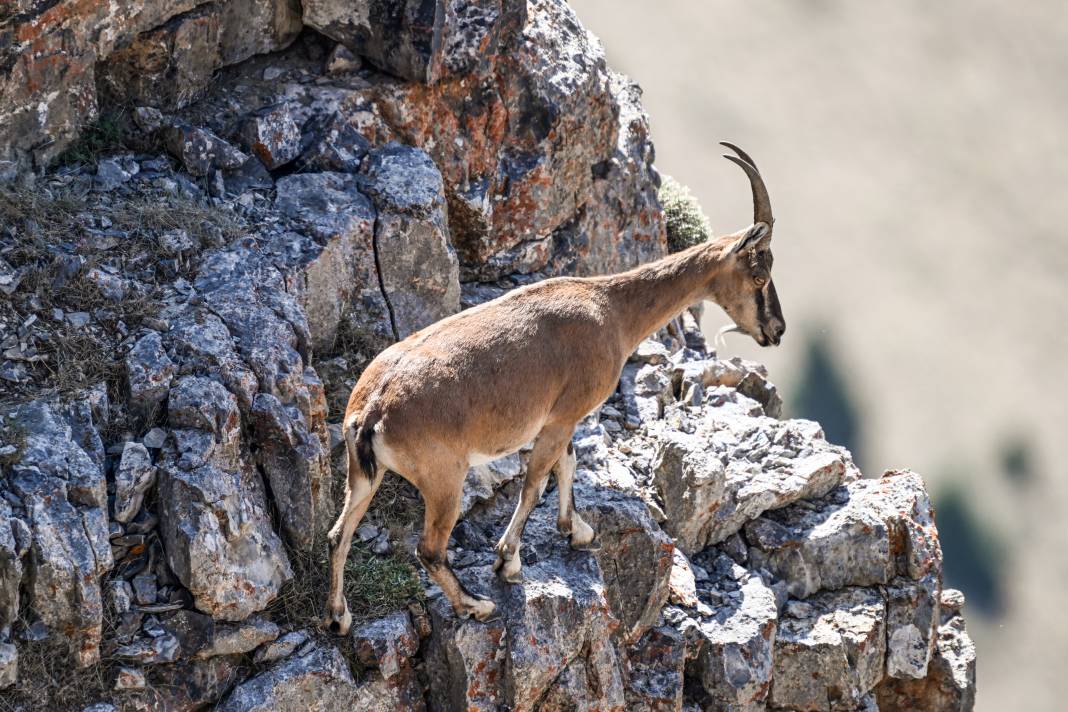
pixel 548 448
pixel 568 521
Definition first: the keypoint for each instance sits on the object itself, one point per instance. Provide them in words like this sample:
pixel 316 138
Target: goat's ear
pixel 753 235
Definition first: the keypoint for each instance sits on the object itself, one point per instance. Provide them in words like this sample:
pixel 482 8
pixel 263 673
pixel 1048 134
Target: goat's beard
pixel 721 343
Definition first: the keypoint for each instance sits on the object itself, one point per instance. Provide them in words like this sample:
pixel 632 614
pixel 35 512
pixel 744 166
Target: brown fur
pixel 526 366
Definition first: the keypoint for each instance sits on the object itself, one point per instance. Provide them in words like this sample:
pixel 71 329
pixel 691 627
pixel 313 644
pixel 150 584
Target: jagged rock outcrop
pixel 57 524
pixel 434 156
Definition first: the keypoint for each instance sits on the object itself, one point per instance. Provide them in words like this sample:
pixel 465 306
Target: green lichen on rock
pixel 686 222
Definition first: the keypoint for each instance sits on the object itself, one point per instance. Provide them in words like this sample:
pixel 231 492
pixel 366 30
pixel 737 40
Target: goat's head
pixel 743 286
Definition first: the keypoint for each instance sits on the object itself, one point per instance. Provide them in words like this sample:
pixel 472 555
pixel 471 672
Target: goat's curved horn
pixel 761 201
pixel 741 154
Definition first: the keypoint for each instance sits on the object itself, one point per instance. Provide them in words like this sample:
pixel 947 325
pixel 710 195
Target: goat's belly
pixel 495 451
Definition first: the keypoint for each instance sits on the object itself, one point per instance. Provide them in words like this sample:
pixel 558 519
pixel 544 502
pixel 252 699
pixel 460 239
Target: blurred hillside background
pixel 916 159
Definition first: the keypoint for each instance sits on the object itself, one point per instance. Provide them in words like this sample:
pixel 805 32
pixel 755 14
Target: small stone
pixel 272 73
pixel 382 547
pixel 281 648
pixel 110 175
pixel 134 476
pixel 367 532
pixel 155 438
pixel 120 595
pixel 129 679
pixel 341 60
pixel 272 135
pixel 175 242
pixel 34 632
pixel 952 601
pixel 78 319
pixel 149 119
pixel 9 665
pixel 232 639
pixel 161 649
pixel 144 588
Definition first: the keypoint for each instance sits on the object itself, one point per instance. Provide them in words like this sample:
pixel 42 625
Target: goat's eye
pixel 760 281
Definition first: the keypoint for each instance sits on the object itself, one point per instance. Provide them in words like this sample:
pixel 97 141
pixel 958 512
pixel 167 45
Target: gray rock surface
pixel 317 680
pixel 732 632
pixel 148 373
pixel 58 482
pixel 9 665
pixel 852 537
pixel 829 651
pixel 134 476
pixel 717 471
pixel 420 41
pixel 213 509
pixel 417 263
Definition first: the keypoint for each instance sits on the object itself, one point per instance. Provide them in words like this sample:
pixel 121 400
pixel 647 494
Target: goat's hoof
pixel 338 625
pixel 591 545
pixel 481 609
pixel 509 570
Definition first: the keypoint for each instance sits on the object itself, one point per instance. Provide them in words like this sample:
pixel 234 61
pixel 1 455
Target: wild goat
pixel 527 367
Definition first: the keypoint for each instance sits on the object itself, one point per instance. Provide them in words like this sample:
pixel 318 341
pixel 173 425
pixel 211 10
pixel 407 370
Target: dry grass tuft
pixel 49 682
pixel 43 231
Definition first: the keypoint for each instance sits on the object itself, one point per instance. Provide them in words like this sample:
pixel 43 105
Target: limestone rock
pixel 483 481
pixel 283 647
pixel 732 633
pixel 950 682
pixel 829 651
pixel 9 665
pixel 201 343
pixel 272 135
pixel 723 468
pixel 418 265
pixel 235 638
pixel 912 618
pixel 555 629
pixel 635 555
pixel 148 372
pixel 389 645
pixel 59 483
pixel 297 469
pixel 335 145
pixel 861 534
pixel 14 544
pixel 133 477
pixel 200 150
pixel 420 41
pixel 621 225
pixel 655 671
pixel 214 524
pixel 317 680
pixel 340 275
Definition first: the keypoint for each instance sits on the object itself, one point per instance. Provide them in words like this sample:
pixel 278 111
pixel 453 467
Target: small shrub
pixel 686 222
pixel 105 134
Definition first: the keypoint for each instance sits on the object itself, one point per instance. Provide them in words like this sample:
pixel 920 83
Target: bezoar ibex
pixel 527 367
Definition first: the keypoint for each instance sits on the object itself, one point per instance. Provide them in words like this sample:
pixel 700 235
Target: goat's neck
pixel 647 298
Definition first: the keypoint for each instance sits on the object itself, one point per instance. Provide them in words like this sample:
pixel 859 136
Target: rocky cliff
pixel 285 190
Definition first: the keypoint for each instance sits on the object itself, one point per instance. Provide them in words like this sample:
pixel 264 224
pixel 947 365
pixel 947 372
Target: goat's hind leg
pixel 359 490
pixel 442 511
pixel 568 521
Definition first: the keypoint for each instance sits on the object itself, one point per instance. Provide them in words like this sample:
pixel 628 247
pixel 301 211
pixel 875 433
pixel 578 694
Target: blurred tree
pixel 824 396
pixel 972 554
pixel 1017 460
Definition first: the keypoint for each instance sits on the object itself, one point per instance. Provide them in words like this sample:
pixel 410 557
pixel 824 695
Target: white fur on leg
pixel 581 533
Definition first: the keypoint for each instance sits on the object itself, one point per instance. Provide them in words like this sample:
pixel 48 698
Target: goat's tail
pixel 358 441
